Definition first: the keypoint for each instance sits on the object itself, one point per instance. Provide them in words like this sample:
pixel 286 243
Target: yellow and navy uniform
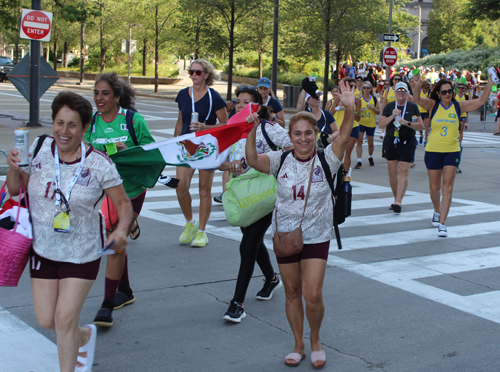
pixel 425 95
pixel 367 115
pixel 339 117
pixel 445 130
pixel 391 95
pixel 460 99
pixel 358 93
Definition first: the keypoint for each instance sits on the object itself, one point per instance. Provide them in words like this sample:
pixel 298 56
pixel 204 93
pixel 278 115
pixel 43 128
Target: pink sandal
pixel 318 356
pixel 294 359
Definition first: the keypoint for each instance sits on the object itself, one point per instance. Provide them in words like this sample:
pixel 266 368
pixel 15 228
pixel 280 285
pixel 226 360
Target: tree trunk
pixel 65 55
pixel 145 58
pixel 338 55
pixel 82 51
pixel 327 56
pixel 157 32
pixel 259 51
pixel 103 49
pixel 231 52
pixel 54 60
pixel 197 40
pixel 16 51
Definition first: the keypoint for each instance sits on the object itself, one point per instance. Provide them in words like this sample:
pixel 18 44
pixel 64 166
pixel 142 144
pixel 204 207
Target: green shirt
pixel 104 132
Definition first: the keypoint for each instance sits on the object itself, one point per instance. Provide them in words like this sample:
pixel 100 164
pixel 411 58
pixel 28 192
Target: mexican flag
pixel 206 149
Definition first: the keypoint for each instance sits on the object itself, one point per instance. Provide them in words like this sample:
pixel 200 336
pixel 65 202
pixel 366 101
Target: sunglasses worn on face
pixel 353 86
pixel 397 79
pixel 197 72
pixel 449 91
pixel 461 87
pixel 366 87
pixel 401 91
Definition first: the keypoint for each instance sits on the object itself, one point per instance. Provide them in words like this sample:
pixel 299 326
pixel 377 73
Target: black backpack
pixel 266 136
pixel 129 116
pixel 338 192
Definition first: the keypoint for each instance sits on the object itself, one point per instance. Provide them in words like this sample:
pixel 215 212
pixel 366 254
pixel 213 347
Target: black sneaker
pixel 266 293
pixel 359 165
pixel 104 318
pixel 372 163
pixel 121 299
pixel 235 313
pixel 168 181
pixel 218 198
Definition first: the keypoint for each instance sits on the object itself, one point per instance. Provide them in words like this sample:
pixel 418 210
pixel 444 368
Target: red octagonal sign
pixel 36 25
pixel 390 56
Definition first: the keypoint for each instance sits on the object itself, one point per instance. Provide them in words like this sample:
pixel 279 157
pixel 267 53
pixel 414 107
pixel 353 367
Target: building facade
pixel 420 8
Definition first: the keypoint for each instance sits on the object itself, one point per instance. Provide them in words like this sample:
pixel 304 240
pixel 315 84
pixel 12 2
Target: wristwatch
pixel 409 123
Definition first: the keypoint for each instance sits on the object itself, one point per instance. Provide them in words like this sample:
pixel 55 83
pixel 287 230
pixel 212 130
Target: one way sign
pixel 388 37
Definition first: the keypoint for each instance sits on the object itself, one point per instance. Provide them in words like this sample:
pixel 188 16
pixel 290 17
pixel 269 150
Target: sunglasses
pixel 366 87
pixel 197 72
pixel 353 86
pixel 461 87
pixel 401 91
pixel 397 79
pixel 449 91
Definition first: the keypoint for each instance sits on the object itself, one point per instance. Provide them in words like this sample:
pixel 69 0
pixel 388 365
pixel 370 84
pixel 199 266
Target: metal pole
pixel 35 75
pixel 388 69
pixel 274 77
pixel 419 30
pixel 129 48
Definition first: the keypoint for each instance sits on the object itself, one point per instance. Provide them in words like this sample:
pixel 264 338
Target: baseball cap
pixel 318 93
pixel 401 85
pixel 264 82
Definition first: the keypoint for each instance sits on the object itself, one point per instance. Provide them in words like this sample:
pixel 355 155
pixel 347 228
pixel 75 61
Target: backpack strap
pixel 266 136
pixel 283 157
pixel 39 145
pixel 375 101
pixel 434 110
pixel 129 115
pixel 329 178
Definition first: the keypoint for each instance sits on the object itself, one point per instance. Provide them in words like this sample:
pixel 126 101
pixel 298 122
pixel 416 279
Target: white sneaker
pixel 435 219
pixel 442 232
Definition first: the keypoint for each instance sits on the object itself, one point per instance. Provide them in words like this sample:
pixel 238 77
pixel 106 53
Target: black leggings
pixel 252 249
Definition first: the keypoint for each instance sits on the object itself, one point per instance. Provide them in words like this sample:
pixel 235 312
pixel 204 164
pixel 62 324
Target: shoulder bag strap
pixel 308 190
pixel 266 136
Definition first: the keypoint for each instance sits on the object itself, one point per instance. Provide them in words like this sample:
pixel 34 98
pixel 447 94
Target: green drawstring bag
pixel 249 197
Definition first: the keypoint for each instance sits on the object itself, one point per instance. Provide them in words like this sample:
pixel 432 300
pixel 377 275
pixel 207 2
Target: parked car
pixel 6 66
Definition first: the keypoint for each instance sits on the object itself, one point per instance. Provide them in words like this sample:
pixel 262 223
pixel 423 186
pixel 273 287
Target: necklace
pixel 299 178
pixel 69 161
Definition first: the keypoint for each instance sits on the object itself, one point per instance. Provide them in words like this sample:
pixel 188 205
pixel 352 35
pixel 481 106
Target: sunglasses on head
pixel 197 72
pixel 449 91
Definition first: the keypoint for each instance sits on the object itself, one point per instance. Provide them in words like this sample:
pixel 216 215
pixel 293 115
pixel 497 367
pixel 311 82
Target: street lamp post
pixel 419 29
pixel 130 25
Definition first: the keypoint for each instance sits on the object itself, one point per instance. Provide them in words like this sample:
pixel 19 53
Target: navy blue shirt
pixel 201 106
pixel 273 106
pixel 329 119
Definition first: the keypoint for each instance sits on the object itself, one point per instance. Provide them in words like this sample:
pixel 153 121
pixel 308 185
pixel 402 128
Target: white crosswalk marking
pixel 162 205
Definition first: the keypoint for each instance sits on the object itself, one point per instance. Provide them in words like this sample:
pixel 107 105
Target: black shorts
pixel 317 250
pixel 400 151
pixel 438 160
pixel 43 268
pixel 138 201
pixel 424 115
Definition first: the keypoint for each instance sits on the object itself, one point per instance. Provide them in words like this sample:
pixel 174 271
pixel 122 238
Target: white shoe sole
pixel 235 320
pixel 443 234
pixel 435 224
pixel 199 246
pixel 280 284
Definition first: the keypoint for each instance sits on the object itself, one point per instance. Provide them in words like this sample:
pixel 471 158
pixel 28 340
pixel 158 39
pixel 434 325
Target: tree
pixel 9 19
pixel 447 30
pixel 484 9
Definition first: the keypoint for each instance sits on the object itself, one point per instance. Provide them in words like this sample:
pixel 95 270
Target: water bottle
pixel 347 191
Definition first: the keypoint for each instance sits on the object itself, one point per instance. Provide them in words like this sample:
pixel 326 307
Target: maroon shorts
pixel 317 250
pixel 138 201
pixel 43 268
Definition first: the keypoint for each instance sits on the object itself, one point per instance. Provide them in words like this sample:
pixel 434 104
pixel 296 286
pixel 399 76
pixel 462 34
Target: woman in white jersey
pixel 303 273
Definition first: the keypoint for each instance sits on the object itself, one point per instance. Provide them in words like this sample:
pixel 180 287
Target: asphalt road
pixel 398 298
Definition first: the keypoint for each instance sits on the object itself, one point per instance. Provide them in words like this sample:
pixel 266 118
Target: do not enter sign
pixel 389 56
pixel 36 25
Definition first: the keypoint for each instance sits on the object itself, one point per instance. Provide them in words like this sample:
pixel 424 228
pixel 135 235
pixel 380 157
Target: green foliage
pixel 484 9
pixel 478 58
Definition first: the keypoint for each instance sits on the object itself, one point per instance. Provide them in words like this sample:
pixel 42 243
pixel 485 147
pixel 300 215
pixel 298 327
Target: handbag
pixel 249 197
pixel 14 250
pixel 289 243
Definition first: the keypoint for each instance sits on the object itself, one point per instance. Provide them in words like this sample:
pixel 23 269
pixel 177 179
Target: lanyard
pixel 73 180
pixel 404 109
pixel 209 97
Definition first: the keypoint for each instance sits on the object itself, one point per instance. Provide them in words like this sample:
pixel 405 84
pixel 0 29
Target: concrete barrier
pixel 245 80
pixel 133 79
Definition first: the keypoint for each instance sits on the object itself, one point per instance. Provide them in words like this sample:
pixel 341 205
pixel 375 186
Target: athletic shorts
pixel 438 160
pixel 463 119
pixel 355 132
pixel 424 115
pixel 317 250
pixel 369 131
pixel 43 268
pixel 138 201
pixel 400 151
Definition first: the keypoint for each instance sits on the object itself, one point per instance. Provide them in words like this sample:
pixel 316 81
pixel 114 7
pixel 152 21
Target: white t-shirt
pixel 277 134
pixel 86 235
pixel 292 189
